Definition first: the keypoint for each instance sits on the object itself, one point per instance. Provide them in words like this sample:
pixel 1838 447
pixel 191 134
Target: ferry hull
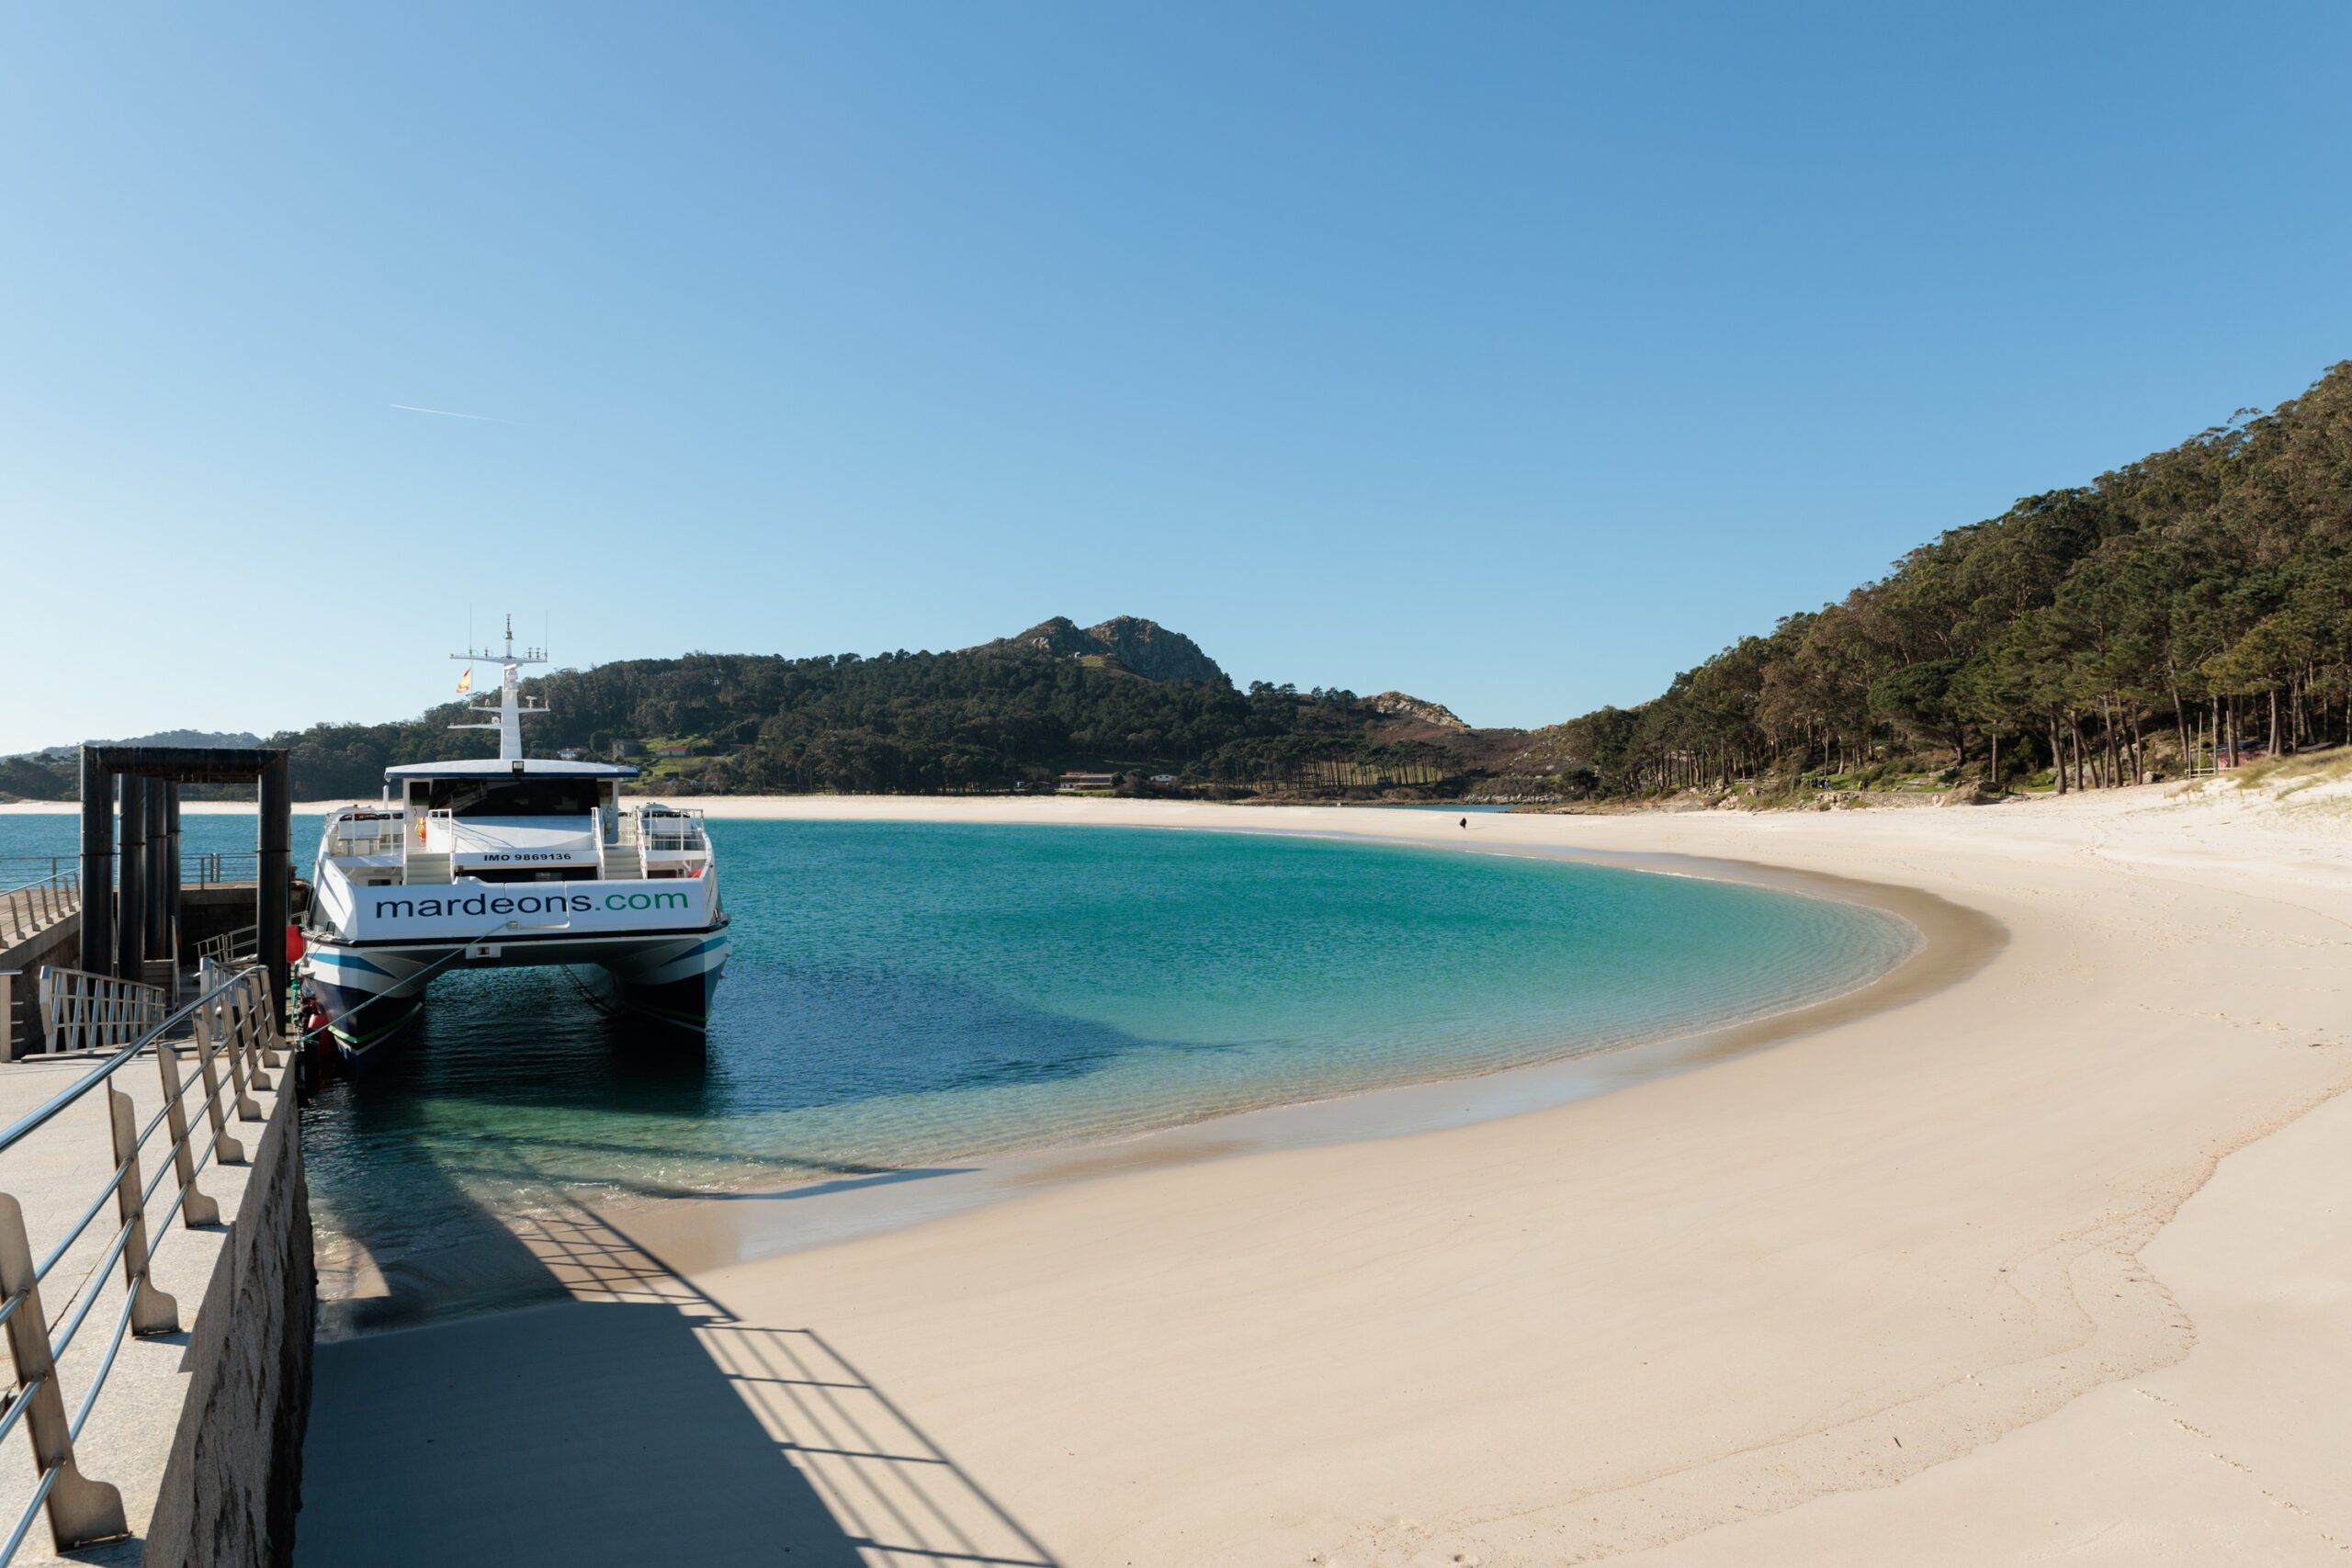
pixel 358 1021
pixel 368 996
pixel 672 982
pixel 370 991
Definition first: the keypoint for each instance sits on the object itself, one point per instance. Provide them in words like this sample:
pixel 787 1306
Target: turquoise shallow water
pixel 907 994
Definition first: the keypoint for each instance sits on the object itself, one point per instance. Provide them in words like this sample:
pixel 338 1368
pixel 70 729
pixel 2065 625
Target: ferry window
pixel 513 797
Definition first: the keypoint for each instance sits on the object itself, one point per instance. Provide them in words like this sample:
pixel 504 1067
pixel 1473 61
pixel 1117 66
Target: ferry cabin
pixel 521 821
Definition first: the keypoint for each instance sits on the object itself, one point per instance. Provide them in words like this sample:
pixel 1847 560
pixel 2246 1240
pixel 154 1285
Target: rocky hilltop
pixel 1401 705
pixel 1139 646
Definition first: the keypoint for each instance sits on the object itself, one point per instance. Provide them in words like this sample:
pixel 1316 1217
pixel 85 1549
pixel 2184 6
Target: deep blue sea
pixel 906 994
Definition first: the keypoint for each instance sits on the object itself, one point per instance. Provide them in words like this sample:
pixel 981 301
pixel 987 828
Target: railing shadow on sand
pixel 639 1420
pixel 893 1490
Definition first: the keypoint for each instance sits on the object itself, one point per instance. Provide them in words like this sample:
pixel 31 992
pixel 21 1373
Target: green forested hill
pixel 985 717
pixel 2200 595
pixel 1015 712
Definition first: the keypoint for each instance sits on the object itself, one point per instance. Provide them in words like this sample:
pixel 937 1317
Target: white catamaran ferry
pixel 516 860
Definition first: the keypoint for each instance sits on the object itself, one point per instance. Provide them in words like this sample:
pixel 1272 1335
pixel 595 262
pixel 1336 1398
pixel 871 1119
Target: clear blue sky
pixel 1514 356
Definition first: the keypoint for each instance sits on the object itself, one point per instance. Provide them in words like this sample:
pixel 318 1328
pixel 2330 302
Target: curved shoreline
pixel 1986 1270
pixel 697 1231
pixel 703 1230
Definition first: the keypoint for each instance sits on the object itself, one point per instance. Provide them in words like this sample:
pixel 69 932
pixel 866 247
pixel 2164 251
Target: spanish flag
pixel 466 680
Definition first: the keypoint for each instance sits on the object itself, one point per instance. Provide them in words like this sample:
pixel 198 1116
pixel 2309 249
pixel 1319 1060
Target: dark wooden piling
pixel 156 882
pixel 98 863
pixel 130 882
pixel 274 891
pixel 142 859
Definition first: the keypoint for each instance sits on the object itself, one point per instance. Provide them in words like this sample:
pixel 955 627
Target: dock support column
pixel 273 893
pixel 131 892
pixel 172 869
pixel 156 883
pixel 98 865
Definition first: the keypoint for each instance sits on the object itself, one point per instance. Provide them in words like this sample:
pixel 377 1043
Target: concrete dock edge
pixel 232 1484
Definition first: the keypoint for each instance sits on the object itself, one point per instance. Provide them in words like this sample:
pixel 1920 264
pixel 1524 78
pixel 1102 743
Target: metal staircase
pixel 427 868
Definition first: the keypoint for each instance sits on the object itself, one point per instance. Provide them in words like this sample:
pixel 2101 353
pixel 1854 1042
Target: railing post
pixel 195 1209
pixel 272 1040
pixel 8 1014
pixel 257 1051
pixel 208 1025
pixel 152 1312
pixel 81 1512
pixel 248 1108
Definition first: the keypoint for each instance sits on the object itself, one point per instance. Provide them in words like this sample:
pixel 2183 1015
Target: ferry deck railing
pixel 369 833
pixel 235 1047
pixel 666 828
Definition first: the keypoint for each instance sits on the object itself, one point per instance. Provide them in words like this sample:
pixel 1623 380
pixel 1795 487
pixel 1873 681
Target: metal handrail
pixel 209 867
pixel 31 907
pixel 230 947
pixel 665 828
pixel 69 866
pixel 386 833
pixel 28 908
pixel 84 1010
pixel 234 1027
pixel 32 1121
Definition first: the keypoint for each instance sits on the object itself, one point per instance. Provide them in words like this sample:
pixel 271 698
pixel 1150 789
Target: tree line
pixel 984 719
pixel 2193 606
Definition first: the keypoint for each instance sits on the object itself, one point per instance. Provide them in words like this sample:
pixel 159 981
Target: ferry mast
pixel 507 716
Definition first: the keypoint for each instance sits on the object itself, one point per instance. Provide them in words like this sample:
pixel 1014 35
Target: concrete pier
pixel 207 910
pixel 185 1421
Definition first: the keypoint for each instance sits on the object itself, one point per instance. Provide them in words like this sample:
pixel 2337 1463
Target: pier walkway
pixel 53 1174
pixel 156 1285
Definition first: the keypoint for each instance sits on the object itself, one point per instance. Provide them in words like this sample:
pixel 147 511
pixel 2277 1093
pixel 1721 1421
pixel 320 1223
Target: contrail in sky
pixel 448 413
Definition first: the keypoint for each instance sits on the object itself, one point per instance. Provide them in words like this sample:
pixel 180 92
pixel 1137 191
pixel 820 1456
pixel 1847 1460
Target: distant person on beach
pixel 1466 824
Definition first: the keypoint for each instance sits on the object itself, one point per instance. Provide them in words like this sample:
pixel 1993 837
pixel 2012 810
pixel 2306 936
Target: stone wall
pixel 233 1481
pixel 61 944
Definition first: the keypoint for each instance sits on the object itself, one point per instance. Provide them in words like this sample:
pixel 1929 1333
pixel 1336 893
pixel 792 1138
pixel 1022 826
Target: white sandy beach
pixel 2053 1263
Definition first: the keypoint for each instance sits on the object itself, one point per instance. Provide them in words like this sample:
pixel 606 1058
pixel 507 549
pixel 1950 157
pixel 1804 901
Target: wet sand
pixel 693 1233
